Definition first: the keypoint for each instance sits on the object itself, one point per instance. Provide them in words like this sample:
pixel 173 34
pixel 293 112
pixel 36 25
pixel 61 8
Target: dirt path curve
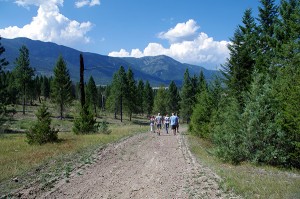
pixel 142 166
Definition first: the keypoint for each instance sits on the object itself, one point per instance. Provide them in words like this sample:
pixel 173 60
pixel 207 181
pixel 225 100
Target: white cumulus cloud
pixel 186 45
pixel 50 25
pixel 180 32
pixel 82 3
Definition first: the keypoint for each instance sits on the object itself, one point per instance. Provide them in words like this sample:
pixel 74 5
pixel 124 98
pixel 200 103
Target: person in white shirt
pixel 152 120
pixel 167 121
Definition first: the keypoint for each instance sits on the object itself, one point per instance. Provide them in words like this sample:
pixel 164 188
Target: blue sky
pixel 190 31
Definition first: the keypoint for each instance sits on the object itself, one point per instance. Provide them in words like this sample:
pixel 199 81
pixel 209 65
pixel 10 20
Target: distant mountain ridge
pixel 157 70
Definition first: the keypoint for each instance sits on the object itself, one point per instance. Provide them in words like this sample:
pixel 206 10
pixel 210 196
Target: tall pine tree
pixel 148 98
pixel 92 95
pixel 239 67
pixel 160 102
pixel 23 73
pixel 3 61
pixel 118 92
pixel 140 97
pixel 173 98
pixel 201 116
pixel 187 97
pixel 131 94
pixel 3 83
pixel 61 89
pixel 268 20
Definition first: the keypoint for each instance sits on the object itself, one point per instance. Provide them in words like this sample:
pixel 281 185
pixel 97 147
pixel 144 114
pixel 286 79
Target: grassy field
pixel 248 180
pixel 21 163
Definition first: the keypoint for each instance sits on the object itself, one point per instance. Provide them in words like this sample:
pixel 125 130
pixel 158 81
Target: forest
pixel 249 113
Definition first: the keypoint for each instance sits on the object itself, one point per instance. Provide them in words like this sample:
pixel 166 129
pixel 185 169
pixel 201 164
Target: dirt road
pixel 142 166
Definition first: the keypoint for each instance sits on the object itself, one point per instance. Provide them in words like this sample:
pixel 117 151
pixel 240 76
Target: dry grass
pixel 17 156
pixel 248 180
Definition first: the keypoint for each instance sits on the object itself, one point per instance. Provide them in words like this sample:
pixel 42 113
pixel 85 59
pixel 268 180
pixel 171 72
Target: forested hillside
pixel 43 55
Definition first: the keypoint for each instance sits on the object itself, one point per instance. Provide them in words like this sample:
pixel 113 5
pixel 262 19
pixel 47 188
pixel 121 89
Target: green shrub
pixel 103 127
pixel 85 122
pixel 41 132
pixel 227 132
pixel 201 116
pixel 265 138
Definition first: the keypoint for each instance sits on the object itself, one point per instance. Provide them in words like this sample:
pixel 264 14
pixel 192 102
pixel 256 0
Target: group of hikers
pixel 159 121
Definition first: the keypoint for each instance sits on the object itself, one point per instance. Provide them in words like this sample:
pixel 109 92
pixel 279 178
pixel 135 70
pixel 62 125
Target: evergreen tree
pixel 288 78
pixel 3 82
pixel 37 88
pixel 287 32
pixel 187 97
pixel 23 73
pixel 239 67
pixel 227 132
pixel 3 98
pixel 216 92
pixel 202 84
pixel 131 94
pixel 140 97
pixel 103 92
pixel 160 102
pixel 113 99
pixel 45 87
pixel 84 123
pixel 41 132
pixel 3 61
pixel 92 95
pixel 148 98
pixel 195 89
pixel 81 82
pixel 61 86
pixel 118 92
pixel 13 93
pixel 201 116
pixel 288 94
pixel 264 137
pixel 123 83
pixel 173 98
pixel 3 92
pixel 268 20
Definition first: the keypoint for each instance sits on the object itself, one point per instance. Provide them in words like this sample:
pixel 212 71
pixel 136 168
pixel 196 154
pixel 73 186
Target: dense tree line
pixel 252 114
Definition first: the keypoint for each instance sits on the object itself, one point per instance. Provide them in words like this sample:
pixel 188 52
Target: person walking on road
pixel 177 123
pixel 173 121
pixel 152 120
pixel 167 121
pixel 158 121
